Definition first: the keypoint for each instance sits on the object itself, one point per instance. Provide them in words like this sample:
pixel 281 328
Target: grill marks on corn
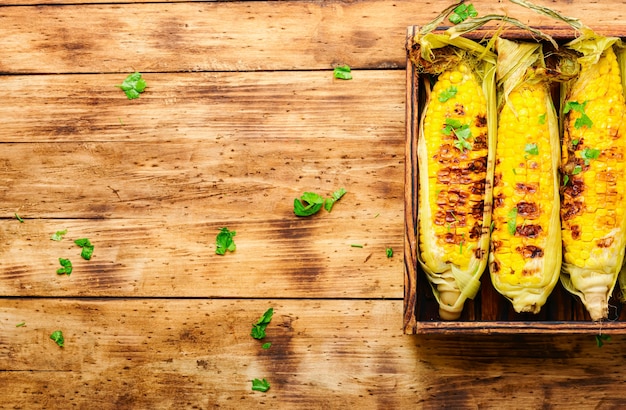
pixel 592 207
pixel 457 174
pixel 523 187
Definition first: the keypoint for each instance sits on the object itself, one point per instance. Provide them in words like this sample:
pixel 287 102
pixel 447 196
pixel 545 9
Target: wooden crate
pixel 489 312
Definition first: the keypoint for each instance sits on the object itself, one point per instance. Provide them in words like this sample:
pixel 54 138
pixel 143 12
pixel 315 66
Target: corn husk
pixel 520 63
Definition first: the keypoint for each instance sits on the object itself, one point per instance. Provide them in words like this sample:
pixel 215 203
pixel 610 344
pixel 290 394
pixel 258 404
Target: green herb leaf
pixel 590 153
pixel 575 142
pixel 565 179
pixel 57 336
pixel 260 385
pixel 87 250
pixel 266 345
pixel 462 12
pixel 19 218
pixel 224 241
pixel 583 120
pixel 356 245
pixel 342 72
pixel 531 149
pixel 258 329
pixel 336 196
pixel 445 95
pixel 66 267
pixel 22 324
pixel 542 119
pixel 512 221
pixel 389 252
pixel 308 204
pixel 577 170
pixel 600 339
pixel 58 235
pixel 133 85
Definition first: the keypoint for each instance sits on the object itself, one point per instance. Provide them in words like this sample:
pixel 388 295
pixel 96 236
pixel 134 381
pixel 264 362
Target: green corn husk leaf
pixel 520 63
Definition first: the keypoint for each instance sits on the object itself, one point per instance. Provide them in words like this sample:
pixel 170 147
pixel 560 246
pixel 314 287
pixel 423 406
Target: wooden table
pixel 241 115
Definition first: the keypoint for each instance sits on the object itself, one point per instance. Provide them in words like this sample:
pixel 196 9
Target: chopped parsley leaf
pixel 308 204
pixel 258 329
pixel 66 267
pixel 512 221
pixel 462 12
pixel 600 339
pixel 336 196
pixel 531 149
pixel 590 153
pixel 58 235
pixel 224 241
pixel 266 345
pixel 583 120
pixel 389 252
pixel 577 170
pixel 445 95
pixel 542 119
pixel 58 338
pixel 260 385
pixel 21 324
pixel 87 250
pixel 133 85
pixel 342 72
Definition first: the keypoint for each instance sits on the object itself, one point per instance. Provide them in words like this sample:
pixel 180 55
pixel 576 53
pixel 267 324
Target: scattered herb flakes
pixel 260 385
pixel 66 267
pixel 58 235
pixel 342 72
pixel 224 241
pixel 389 252
pixel 258 329
pixel 542 119
pixel 590 153
pixel 462 12
pixel 583 120
pixel 577 170
pixel 133 85
pixel 531 149
pixel 448 93
pixel 600 339
pixel 58 338
pixel 336 196
pixel 356 245
pixel 19 218
pixel 87 250
pixel 266 345
pixel 512 221
pixel 21 324
pixel 308 204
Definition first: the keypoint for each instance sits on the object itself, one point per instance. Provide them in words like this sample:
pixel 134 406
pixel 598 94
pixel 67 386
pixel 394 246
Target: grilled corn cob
pixel 525 254
pixel 593 211
pixel 454 154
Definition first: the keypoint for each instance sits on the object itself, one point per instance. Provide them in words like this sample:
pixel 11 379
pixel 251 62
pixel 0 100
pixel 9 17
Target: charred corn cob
pixel 593 211
pixel 453 161
pixel 525 254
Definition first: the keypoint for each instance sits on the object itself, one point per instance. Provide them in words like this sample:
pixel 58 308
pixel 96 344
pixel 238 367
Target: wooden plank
pixel 225 179
pixel 175 257
pixel 211 107
pixel 291 35
pixel 164 353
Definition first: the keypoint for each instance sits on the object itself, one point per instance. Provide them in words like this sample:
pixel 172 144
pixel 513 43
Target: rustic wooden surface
pixel 241 115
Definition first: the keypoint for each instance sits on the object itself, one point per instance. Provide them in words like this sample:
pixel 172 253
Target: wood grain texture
pixel 175 257
pixel 195 353
pixel 293 35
